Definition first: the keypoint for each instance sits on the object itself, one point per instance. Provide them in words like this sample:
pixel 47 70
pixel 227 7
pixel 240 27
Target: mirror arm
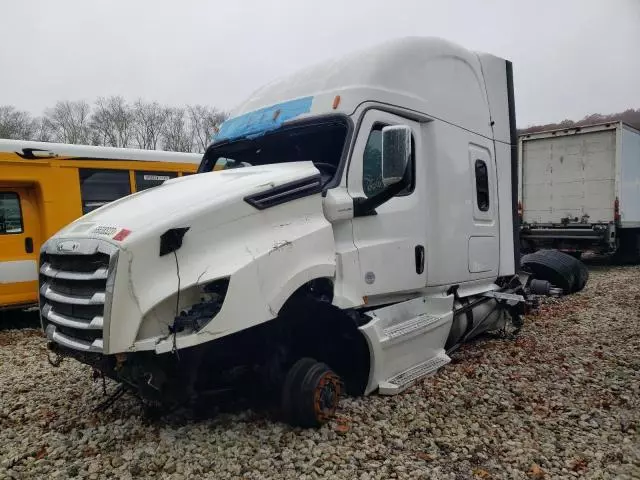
pixel 363 206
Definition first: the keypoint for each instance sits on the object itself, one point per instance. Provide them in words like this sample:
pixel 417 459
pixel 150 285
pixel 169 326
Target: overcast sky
pixel 571 57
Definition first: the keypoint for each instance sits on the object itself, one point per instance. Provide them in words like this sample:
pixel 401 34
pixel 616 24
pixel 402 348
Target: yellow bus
pixel 44 186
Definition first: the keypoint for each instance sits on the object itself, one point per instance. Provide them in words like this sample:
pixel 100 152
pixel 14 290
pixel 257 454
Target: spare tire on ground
pixel 583 275
pixel 561 269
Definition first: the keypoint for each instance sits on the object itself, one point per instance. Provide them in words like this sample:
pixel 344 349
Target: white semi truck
pixel 349 226
pixel 580 189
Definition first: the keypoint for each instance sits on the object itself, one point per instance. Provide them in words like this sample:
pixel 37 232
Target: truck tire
pixel 583 275
pixel 581 271
pixel 310 393
pixel 556 267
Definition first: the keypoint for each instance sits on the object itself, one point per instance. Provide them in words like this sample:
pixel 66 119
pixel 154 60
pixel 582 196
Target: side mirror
pixel 396 152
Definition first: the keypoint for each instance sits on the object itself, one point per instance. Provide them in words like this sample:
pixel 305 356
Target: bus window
pixel 99 187
pixel 146 180
pixel 10 216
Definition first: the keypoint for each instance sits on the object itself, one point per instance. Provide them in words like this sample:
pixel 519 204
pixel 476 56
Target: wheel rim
pixel 326 396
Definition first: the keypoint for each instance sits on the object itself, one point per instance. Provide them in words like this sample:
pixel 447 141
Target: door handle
pixel 419 259
pixel 28 245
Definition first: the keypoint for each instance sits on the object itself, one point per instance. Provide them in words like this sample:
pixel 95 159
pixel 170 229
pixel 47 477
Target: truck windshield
pixel 319 142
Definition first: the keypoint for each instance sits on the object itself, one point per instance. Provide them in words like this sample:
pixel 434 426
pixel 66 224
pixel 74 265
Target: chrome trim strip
pixel 71 322
pixel 96 299
pixel 82 345
pixel 86 246
pixel 100 274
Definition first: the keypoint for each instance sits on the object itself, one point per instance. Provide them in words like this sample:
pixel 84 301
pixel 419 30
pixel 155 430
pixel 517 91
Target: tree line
pixel 113 122
pixel 630 117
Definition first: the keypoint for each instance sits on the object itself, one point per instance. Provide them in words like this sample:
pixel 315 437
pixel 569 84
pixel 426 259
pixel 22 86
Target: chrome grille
pixel 74 293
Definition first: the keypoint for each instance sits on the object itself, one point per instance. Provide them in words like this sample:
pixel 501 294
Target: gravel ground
pixel 562 401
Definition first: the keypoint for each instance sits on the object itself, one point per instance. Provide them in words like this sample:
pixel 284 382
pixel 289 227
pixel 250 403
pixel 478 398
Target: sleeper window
pixel 482 185
pixel 10 214
pixel 372 164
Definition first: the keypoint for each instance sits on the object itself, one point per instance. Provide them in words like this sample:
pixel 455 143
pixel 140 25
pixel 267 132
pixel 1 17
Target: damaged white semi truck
pixel 349 225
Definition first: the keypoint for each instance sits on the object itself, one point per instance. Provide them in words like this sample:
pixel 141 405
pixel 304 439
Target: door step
pixel 406 341
pixel 407 378
pixel 409 327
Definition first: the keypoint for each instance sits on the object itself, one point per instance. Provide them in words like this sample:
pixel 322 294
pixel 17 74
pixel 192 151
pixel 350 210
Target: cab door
pixel 19 242
pixel 390 243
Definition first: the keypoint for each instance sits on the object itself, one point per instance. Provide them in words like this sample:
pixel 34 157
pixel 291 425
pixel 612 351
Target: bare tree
pixel 204 122
pixel 42 132
pixel 69 122
pixel 112 122
pixel 148 125
pixel 16 124
pixel 177 135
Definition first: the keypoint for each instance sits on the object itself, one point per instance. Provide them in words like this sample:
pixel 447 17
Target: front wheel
pixel 310 393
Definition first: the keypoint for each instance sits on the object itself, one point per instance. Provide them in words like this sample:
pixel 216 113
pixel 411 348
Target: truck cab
pixel 348 226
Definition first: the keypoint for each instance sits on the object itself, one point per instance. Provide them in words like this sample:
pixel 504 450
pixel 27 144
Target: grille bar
pixel 100 274
pixel 94 324
pixel 96 299
pixel 66 341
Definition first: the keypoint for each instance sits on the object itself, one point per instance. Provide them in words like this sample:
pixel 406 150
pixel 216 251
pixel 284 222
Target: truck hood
pixel 179 201
pixel 266 254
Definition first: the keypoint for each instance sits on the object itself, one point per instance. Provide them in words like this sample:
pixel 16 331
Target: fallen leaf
pixel 427 457
pixel 579 464
pixel 481 473
pixel 469 371
pixel 41 453
pixel 89 452
pixel 536 472
pixel 342 425
pixel 92 421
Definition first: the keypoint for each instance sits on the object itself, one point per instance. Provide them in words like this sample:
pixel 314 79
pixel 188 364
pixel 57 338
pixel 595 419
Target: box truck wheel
pixel 629 251
pixel 310 393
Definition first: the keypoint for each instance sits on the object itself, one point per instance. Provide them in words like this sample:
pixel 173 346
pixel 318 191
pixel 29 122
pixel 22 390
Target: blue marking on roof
pixel 257 123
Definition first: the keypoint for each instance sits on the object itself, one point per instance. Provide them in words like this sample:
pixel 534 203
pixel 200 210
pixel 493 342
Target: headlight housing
pixel 199 314
pixel 198 305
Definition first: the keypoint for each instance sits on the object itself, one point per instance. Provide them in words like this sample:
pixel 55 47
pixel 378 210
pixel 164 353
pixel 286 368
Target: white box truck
pixel 349 226
pixel 580 189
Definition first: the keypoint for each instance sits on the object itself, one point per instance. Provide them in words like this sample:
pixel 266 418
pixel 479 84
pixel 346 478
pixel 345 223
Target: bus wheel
pixel 310 393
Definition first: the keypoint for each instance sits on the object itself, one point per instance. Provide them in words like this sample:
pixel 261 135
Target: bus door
pixel 19 245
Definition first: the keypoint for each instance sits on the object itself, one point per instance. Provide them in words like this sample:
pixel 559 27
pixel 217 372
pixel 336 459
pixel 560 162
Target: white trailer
pixel 580 189
pixel 349 226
